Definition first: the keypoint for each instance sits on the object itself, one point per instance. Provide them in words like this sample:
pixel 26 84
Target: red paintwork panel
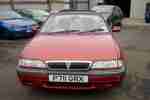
pixel 95 82
pixel 72 47
pixel 89 47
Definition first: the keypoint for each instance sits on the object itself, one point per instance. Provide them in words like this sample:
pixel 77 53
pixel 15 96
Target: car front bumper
pixel 97 79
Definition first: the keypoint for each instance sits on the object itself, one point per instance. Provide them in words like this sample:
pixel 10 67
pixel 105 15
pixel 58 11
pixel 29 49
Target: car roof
pixel 31 10
pixel 38 11
pixel 77 12
pixel 5 14
pixel 106 6
pixel 7 11
pixel 72 10
pixel 34 11
pixel 103 7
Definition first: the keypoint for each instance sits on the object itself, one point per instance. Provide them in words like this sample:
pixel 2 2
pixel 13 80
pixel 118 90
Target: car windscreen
pixel 74 22
pixel 9 15
pixel 106 15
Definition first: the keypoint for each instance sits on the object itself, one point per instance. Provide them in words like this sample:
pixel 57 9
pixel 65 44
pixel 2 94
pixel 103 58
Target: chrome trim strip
pixel 78 61
pixel 70 61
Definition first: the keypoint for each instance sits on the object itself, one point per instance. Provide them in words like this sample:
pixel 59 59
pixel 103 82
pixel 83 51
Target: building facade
pixel 131 8
pixel 138 8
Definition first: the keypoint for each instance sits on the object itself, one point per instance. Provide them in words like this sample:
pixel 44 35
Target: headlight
pixel 31 63
pixel 108 64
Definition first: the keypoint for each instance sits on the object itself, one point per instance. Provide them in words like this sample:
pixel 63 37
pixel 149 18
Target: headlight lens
pixel 31 63
pixel 108 64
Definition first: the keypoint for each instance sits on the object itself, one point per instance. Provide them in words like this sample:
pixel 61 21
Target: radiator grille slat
pixel 58 65
pixel 79 65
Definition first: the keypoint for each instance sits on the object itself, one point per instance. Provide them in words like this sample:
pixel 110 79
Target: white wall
pixel 138 8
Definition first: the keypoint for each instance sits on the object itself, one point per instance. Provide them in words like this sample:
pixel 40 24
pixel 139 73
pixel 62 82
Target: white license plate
pixel 68 78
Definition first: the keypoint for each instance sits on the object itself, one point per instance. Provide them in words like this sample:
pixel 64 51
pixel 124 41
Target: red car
pixel 74 50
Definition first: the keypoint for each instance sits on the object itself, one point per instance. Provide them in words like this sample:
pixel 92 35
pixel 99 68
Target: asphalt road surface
pixel 136 44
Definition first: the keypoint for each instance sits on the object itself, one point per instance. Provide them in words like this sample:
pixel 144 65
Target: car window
pixel 9 15
pixel 118 11
pixel 148 7
pixel 109 22
pixel 74 22
pixel 121 13
pixel 106 15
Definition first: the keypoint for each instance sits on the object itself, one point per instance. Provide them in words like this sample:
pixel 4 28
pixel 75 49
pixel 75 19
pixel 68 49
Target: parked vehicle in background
pixel 112 14
pixel 74 51
pixel 35 14
pixel 53 12
pixel 147 13
pixel 13 26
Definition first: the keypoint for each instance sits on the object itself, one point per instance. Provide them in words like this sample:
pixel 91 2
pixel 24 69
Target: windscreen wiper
pixel 95 30
pixel 66 31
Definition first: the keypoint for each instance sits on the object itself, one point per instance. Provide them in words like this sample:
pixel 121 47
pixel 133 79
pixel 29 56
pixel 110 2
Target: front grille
pixel 74 72
pixel 79 65
pixel 68 65
pixel 58 65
